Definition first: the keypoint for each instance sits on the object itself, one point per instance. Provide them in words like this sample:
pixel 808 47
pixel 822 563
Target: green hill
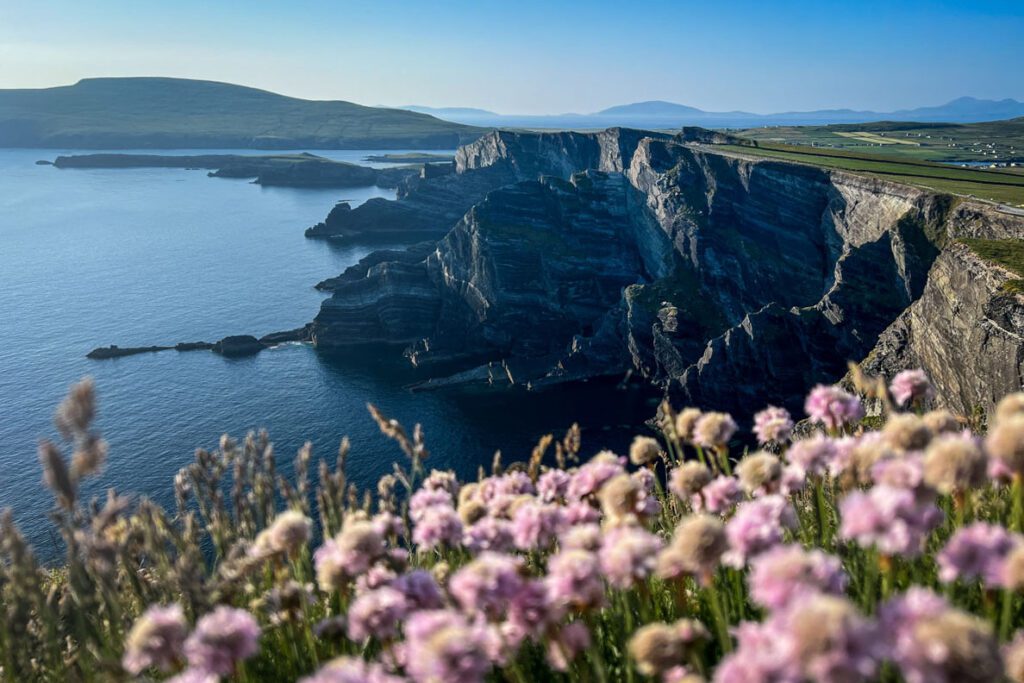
pixel 108 113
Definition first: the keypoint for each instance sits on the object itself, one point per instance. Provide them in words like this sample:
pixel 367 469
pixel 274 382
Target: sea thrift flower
pixel 591 476
pixel 441 646
pixel 941 422
pixel 688 479
pixel 536 525
pixel 1010 406
pixel 911 387
pixel 350 670
pixel 685 422
pixel 288 534
pixel 656 648
pixel 786 572
pixel 442 480
pixel 696 549
pixel 813 455
pixel 376 614
pixel 489 533
pixel 579 513
pixel 906 432
pixel 833 407
pixel 773 425
pixel 1005 443
pixel 530 610
pixel 425 500
pixel 553 485
pixel 976 551
pixel 488 583
pixel 954 463
pixel 419 589
pixel 574 579
pixel 1013 658
pixel 829 640
pixel 222 639
pixel 581 537
pixel 759 473
pixel 902 473
pixel 644 450
pixel 933 643
pixel 438 525
pixel 347 555
pixel 567 644
pixel 192 675
pixel 628 554
pixel 156 639
pixel 891 519
pixel 757 526
pixel 719 496
pixel 1011 574
pixel 713 430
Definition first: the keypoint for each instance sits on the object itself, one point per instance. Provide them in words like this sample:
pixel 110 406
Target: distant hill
pixel 106 113
pixel 666 115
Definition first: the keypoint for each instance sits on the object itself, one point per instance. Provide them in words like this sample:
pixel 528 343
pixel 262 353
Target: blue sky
pixel 536 57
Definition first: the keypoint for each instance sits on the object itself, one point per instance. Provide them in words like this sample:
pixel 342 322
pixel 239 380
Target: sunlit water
pixel 158 256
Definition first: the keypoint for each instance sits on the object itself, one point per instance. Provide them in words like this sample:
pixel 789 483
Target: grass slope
pixel 1006 253
pixel 999 186
pixel 169 112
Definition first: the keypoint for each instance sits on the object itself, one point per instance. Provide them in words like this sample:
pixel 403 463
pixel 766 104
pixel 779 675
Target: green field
pixel 1007 253
pixel 1003 185
pixel 944 142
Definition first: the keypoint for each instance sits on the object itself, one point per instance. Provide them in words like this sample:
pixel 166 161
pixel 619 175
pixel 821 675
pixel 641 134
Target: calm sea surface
pixel 158 256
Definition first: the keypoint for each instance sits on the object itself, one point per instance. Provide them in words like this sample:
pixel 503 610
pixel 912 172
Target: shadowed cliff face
pixel 728 281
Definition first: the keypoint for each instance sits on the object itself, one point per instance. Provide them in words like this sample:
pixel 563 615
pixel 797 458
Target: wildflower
pixel 585 536
pixel 718 496
pixel 757 526
pixel 619 497
pixel 574 579
pixel 426 499
pixel 536 525
pixel 931 642
pixel 954 463
pixel 553 485
pixel 419 589
pixel 580 512
pixel 685 422
pixel 659 647
pixel 1011 575
pixel 891 519
pixel 489 533
pixel 350 670
pixel 1013 658
pixel 976 551
pixel 347 555
pixel 644 450
pixel 439 525
pixel 376 613
pixel 287 534
pixel 773 425
pixel 156 639
pixel 530 610
pixel 1009 406
pixel 941 422
pixel 780 575
pixel 567 644
pixel 906 432
pixel 193 675
pixel 222 639
pixel 628 554
pixel 759 472
pixel 814 455
pixel 697 546
pixel 713 430
pixel 1005 443
pixel 487 583
pixel 829 640
pixel 688 479
pixel 592 475
pixel 471 511
pixel 442 646
pixel 902 473
pixel 856 459
pixel 911 387
pixel 833 407
pixel 442 480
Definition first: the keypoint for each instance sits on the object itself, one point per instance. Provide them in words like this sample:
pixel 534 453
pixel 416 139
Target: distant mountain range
pixel 660 114
pixel 110 113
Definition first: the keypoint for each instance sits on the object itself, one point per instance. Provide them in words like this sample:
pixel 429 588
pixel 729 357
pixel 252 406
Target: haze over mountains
pixel 661 114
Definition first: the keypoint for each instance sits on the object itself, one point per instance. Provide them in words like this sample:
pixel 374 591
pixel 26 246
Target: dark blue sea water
pixel 158 256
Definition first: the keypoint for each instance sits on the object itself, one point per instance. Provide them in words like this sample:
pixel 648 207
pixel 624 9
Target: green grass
pixel 999 186
pixel 1006 253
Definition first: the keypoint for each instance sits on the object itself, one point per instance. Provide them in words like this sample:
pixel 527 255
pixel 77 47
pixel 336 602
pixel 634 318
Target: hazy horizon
pixel 735 56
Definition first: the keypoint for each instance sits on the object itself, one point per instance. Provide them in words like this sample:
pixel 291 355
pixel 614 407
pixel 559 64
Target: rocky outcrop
pixel 727 280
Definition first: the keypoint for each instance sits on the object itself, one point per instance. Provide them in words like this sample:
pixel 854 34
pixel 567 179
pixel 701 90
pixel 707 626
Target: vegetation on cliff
pixel 839 555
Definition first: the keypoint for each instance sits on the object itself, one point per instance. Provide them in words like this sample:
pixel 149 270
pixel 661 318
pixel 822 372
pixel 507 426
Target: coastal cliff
pixel 728 280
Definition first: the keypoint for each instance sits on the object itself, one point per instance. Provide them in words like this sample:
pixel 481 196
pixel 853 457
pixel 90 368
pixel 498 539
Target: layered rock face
pixel 729 281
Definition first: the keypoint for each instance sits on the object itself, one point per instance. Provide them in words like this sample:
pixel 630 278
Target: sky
pixel 529 57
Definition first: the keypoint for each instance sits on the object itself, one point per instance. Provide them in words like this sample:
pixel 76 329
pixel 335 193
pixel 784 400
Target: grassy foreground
pixel 841 555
